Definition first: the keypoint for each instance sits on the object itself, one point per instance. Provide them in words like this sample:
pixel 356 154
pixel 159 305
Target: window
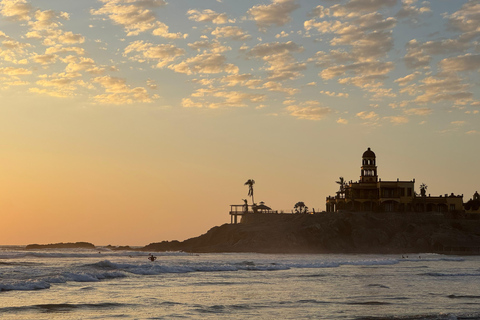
pixel 409 192
pixel 452 207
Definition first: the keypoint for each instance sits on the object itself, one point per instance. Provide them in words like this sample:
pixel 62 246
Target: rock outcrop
pixel 68 245
pixel 336 233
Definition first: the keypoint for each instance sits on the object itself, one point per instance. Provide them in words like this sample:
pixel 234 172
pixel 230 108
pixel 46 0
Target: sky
pixel 127 122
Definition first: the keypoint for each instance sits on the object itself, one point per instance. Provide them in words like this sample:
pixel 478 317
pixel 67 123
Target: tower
pixel 369 167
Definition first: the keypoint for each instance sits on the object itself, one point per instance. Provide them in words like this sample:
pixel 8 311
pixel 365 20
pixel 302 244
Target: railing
pixel 241 209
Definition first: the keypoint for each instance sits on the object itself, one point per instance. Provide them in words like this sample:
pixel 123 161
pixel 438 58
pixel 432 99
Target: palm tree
pixel 250 183
pixel 423 189
pixel 342 184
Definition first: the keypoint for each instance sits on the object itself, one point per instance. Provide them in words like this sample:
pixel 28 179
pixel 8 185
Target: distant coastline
pixel 346 232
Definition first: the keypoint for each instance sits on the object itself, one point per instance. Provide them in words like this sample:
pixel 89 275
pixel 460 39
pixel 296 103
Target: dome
pixel 368 154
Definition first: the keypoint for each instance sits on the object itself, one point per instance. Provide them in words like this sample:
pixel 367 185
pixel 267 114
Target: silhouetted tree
pixel 250 183
pixel 300 207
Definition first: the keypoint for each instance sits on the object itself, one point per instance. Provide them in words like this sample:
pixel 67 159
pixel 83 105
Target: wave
pixel 46 282
pixel 369 303
pixel 24 285
pixel 62 307
pixel 447 316
pixel 441 274
pixel 118 265
pixel 83 253
pixel 452 296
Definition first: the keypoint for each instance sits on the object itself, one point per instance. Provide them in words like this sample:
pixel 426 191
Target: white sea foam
pixel 24 285
pixel 115 264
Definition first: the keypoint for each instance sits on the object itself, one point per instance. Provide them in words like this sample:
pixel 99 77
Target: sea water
pixel 104 284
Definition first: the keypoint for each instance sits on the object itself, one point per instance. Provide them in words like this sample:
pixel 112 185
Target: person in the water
pixel 151 257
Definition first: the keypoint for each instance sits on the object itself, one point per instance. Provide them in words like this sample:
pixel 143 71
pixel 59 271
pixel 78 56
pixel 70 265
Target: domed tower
pixel 369 167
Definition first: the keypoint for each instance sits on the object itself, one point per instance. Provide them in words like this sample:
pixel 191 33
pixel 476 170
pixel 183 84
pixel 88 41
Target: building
pixel 473 205
pixel 371 194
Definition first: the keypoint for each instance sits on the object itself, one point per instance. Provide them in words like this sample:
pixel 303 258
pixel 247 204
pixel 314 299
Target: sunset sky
pixel 137 121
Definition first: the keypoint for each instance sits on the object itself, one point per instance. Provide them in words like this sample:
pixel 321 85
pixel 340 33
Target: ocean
pixel 104 284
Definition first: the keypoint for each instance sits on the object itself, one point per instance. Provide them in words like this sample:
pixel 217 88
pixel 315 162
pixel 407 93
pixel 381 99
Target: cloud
pixel 436 89
pixel 16 9
pixel 205 63
pixel 410 11
pixel 368 5
pixel 217 98
pixel 370 68
pixel 14 51
pixel 310 110
pixel 236 79
pixel 274 48
pixel 76 64
pixel 364 115
pixel 335 94
pixel 282 34
pixel 232 32
pixel 44 59
pixel 281 65
pixel 59 85
pixel 407 79
pixel 134 16
pixel 162 54
pixel 60 49
pixel 367 36
pixel 118 92
pixel 467 19
pixel 12 71
pixel 210 45
pixel 472 132
pixel 342 121
pixel 419 111
pixel 397 119
pixel 277 13
pixel 208 15
pixel 275 86
pixel 468 62
pixel 161 29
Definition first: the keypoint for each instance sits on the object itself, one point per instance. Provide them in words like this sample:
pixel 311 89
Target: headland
pixel 341 232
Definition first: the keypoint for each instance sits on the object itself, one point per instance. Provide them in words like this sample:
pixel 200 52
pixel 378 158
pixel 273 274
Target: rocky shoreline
pixel 345 232
pixel 337 233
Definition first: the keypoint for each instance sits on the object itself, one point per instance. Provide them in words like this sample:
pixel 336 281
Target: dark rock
pixel 335 233
pixel 61 245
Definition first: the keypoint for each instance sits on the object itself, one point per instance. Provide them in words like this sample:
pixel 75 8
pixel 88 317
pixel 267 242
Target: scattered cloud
pixel 136 17
pixel 364 115
pixel 419 111
pixel 162 54
pixel 342 121
pixel 118 92
pixel 232 32
pixel 310 110
pixel 205 63
pixel 229 60
pixel 277 13
pixel 208 15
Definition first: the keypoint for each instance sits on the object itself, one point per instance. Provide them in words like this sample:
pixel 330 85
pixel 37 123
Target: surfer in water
pixel 151 257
